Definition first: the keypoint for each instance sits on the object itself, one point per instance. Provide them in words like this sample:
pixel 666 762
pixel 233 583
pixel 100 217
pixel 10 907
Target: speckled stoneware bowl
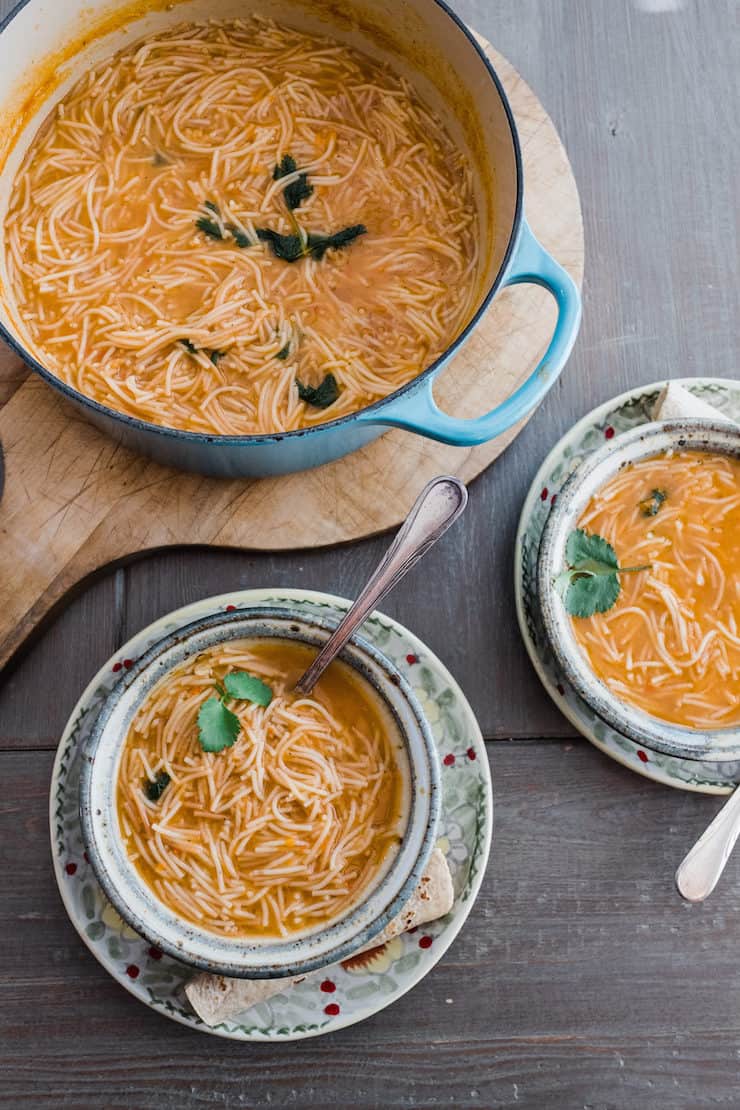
pixel 639 443
pixel 260 958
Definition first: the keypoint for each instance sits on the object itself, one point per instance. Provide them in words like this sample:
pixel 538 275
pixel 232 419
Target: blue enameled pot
pixel 48 44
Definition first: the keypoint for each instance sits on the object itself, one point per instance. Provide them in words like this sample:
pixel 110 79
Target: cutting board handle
pixel 57 491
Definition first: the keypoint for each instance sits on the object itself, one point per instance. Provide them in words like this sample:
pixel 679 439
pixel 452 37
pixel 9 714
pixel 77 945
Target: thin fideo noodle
pixel 281 832
pixel 110 275
pixel 671 643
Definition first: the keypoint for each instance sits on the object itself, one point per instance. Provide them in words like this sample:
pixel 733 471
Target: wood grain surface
pixel 105 504
pixel 580 980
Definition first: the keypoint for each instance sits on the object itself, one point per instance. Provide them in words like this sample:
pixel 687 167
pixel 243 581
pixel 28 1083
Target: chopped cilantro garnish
pixel 651 506
pixel 320 396
pixel 240 237
pixel 299 190
pixel 290 248
pixel 155 790
pixel 191 348
pixel 216 229
pixel 210 227
pixel 320 244
pixel 287 247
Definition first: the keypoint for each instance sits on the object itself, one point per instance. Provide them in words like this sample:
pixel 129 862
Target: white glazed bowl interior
pixel 639 443
pixel 261 957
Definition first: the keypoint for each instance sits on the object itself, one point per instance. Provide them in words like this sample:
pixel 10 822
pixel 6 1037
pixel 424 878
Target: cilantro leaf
pixel 283 352
pixel 320 396
pixel 284 167
pixel 218 727
pixel 292 247
pixel 191 348
pixel 590 584
pixel 582 547
pixel 209 227
pixel 299 190
pixel 597 594
pixel 287 247
pixel 240 238
pixel 216 229
pixel 651 506
pixel 155 790
pixel 318 245
pixel 246 687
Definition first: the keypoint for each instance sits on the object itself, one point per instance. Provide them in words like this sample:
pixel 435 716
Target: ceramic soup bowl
pixel 640 443
pixel 260 957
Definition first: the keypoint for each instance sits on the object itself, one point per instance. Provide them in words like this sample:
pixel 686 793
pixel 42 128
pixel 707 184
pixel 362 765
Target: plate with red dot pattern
pixel 360 986
pixel 619 415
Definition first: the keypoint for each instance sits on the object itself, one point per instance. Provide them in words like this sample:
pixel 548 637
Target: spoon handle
pixel 699 873
pixel 437 507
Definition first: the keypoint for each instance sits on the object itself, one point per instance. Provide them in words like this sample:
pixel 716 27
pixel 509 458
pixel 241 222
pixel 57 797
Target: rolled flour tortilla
pixel 216 998
pixel 675 402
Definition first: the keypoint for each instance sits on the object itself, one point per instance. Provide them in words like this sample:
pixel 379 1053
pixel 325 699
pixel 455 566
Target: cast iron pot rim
pixel 300 965
pixel 200 438
pixel 654 733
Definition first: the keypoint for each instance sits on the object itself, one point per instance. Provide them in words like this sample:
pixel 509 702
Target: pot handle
pixel 418 412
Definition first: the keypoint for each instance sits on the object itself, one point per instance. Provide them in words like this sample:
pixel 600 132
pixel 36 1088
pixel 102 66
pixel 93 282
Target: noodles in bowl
pixel 671 643
pixel 280 831
pixel 248 829
pixel 237 228
pixel 639 586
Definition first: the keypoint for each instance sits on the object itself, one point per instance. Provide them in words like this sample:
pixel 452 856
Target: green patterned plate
pixel 345 993
pixel 606 421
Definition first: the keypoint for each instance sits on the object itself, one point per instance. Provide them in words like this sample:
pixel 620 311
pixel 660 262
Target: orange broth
pixel 282 832
pixel 671 643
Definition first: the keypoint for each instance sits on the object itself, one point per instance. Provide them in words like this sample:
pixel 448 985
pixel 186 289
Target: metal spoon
pixel 699 873
pixel 437 507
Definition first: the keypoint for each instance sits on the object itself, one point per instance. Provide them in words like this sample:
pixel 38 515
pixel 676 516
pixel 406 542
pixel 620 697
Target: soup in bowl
pixel 245 238
pixel 247 828
pixel 640 588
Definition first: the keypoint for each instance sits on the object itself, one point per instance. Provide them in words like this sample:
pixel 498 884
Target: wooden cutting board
pixel 75 501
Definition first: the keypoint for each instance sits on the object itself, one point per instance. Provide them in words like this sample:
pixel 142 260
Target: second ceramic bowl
pixel 258 958
pixel 641 443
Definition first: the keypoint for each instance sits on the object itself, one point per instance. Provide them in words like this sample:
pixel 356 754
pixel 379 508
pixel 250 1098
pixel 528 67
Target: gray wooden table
pixel 580 980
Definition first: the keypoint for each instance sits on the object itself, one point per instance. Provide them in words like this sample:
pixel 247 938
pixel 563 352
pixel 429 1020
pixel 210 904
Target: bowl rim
pixel 175 940
pixel 137 424
pixel 696 433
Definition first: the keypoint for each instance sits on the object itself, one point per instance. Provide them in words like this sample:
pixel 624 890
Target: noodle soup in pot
pixel 247 245
pixel 248 829
pixel 234 227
